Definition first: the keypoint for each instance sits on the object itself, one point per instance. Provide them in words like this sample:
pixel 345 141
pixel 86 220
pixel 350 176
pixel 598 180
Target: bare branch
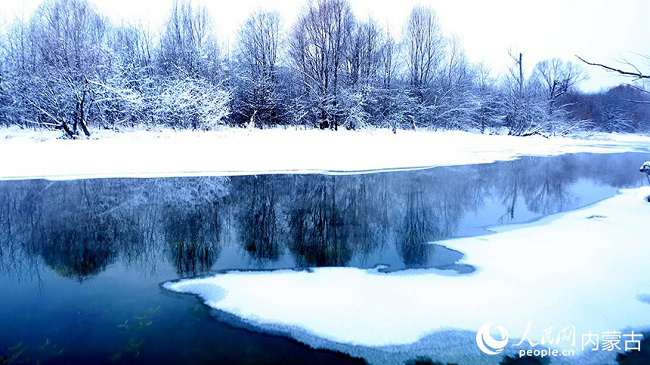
pixel 637 75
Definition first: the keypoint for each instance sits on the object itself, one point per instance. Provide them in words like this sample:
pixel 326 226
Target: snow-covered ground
pixel 42 154
pixel 585 268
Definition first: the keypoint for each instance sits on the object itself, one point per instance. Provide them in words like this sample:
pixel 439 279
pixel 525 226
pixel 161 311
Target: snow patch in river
pixel 586 268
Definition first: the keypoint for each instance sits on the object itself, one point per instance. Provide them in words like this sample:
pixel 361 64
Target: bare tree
pixel 424 46
pixel 258 45
pixel 387 60
pixel 188 46
pixel 559 77
pixel 523 112
pixel 455 102
pixel 364 54
pixel 317 49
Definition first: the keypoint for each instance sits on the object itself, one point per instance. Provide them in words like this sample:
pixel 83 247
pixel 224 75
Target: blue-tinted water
pixel 81 261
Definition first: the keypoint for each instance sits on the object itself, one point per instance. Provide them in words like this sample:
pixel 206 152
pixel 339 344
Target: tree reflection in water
pixel 259 228
pixel 79 228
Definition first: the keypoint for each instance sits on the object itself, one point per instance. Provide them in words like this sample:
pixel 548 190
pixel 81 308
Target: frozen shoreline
pixel 585 268
pixel 165 153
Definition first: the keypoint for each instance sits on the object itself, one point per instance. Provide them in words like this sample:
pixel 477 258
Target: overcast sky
pixel 598 30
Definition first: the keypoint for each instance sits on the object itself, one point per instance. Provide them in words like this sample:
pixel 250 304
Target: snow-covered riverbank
pixel 585 268
pixel 41 154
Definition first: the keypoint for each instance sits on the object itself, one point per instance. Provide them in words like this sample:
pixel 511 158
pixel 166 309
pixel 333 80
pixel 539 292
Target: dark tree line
pixel 69 67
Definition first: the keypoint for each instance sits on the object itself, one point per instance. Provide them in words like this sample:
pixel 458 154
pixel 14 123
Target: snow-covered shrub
pixel 192 103
pixel 353 104
pixel 392 108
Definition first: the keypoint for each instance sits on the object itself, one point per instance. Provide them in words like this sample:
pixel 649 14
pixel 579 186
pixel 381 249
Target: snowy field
pixel 585 268
pixel 30 154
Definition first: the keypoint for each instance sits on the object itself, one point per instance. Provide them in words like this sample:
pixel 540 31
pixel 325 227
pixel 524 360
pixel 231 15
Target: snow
pixel 586 268
pixel 645 167
pixel 164 152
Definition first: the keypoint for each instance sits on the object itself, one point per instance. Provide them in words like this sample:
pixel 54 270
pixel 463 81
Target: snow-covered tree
pixel 188 46
pixel 68 67
pixel 258 97
pixel 558 78
pixel 318 45
pixel 524 112
pixel 67 40
pixel 424 47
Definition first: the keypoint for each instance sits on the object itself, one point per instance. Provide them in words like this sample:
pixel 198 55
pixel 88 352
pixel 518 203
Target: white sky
pixel 605 31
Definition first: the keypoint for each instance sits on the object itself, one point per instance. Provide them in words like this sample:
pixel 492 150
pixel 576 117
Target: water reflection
pixel 259 227
pixel 319 234
pixel 79 228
